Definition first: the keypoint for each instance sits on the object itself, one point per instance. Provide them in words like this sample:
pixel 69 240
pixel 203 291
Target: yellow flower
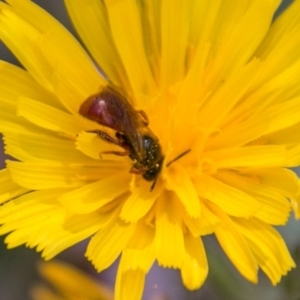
pixel 68 283
pixel 216 77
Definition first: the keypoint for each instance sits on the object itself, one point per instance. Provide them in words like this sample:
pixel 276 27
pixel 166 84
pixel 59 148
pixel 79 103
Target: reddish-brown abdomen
pixel 95 108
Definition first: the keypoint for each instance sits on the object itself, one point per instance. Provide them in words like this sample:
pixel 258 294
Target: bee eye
pixel 153 172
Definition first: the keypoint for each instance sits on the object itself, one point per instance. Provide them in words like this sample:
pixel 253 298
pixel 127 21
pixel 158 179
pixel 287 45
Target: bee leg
pixel 106 137
pixel 143 116
pixel 119 142
pixel 119 153
pixel 133 170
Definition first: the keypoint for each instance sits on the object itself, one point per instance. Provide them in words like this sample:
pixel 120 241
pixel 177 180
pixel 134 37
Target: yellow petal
pixel 15 211
pixel 180 181
pixel 192 87
pixel 93 196
pixel 169 232
pixel 140 251
pixel 294 156
pixel 38 175
pixel 90 20
pixel 48 117
pixel 37 220
pixel 72 231
pixel 284 181
pixel 239 29
pixel 203 19
pixel 8 188
pixel 284 136
pixel 236 86
pixel 268 248
pixel 296 206
pixel 205 224
pixel 174 35
pixel 258 156
pixel 140 202
pixel 41 292
pixel 235 246
pixel 26 147
pixel 275 207
pixel 131 52
pixel 278 47
pixel 107 244
pixel 52 42
pixel 71 281
pixel 241 130
pixel 16 81
pixel 195 267
pixel 231 200
pixel 91 145
pixel 284 115
pixel 150 19
pixel 129 284
pixel 14 31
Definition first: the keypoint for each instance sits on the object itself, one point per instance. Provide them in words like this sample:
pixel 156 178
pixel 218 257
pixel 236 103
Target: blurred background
pixel 18 267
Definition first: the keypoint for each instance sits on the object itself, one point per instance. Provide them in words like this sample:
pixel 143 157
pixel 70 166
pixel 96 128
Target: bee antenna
pixel 177 157
pixel 168 164
pixel 153 184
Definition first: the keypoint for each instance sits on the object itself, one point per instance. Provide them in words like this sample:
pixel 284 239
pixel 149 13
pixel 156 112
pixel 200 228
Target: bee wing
pixel 135 123
pixel 128 121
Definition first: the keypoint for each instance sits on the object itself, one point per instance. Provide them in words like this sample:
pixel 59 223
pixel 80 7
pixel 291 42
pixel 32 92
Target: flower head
pixel 217 78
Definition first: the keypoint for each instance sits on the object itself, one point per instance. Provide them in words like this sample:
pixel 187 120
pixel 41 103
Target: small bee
pixel 111 109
